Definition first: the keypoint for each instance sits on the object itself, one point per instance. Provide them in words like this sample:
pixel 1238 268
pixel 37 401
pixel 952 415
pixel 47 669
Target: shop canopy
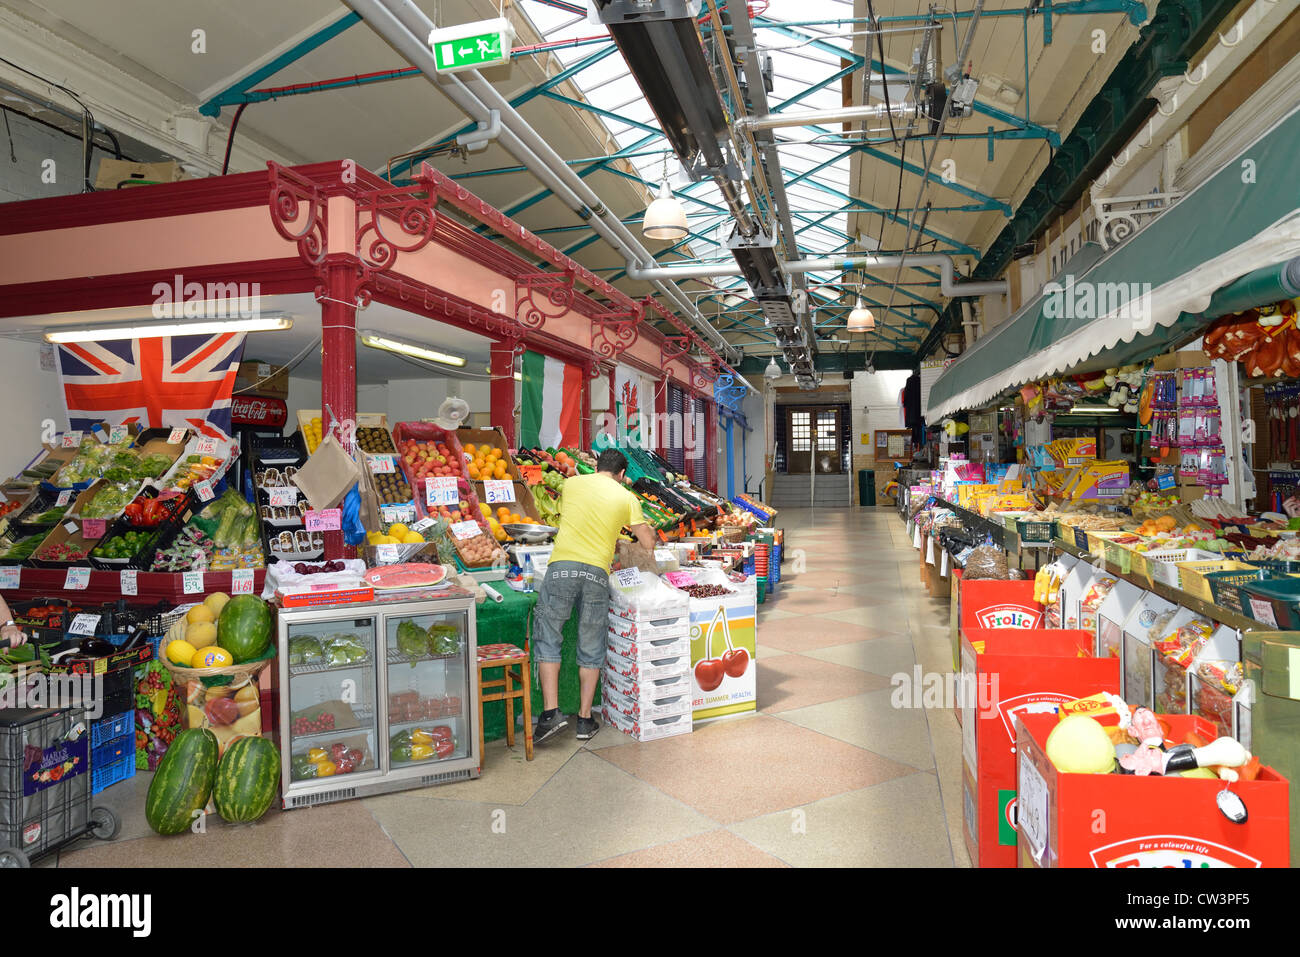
pixel 1104 314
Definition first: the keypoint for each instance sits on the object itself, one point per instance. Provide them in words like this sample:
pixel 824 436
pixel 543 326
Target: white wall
pixel 754 444
pixel 402 400
pixel 35 396
pixel 876 405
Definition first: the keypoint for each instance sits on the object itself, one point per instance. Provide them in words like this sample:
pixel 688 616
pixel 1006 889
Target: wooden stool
pixel 516 682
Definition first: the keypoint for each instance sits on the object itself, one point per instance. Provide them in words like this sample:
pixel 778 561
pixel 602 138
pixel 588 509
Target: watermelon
pixel 247 779
pixel 244 628
pixel 183 782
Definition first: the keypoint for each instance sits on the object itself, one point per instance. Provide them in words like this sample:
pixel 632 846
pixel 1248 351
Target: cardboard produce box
pixel 123 174
pixel 262 378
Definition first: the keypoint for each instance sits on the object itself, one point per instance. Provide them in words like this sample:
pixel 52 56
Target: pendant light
pixel 861 319
pixel 665 218
pixel 773 371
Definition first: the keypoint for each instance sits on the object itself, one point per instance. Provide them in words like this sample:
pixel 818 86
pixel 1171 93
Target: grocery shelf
pixel 397 657
pixel 978 522
pixel 296 670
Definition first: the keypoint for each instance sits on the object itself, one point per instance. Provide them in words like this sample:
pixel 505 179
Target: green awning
pixel 1245 216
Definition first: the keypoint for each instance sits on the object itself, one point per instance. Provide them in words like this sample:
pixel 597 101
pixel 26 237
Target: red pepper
pixel 443 747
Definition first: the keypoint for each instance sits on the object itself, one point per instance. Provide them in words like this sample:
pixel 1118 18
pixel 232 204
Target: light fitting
pixel 773 371
pixel 410 349
pixel 665 218
pixel 269 323
pixel 861 319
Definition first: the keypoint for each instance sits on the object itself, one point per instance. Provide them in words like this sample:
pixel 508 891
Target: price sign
pixel 1263 611
pixel 130 585
pixel 281 495
pixel 422 524
pixel 71 440
pixel 64 498
pixel 77 579
pixel 677 579
pixel 177 437
pixel 84 624
pixel 441 490
pixel 192 583
pixel 498 490
pixel 241 581
pixel 204 490
pixel 93 528
pixel 465 530
pixel 386 554
pixel 117 435
pixel 206 447
pixel 1031 806
pixel 628 577
pixel 381 464
pixel 326 520
pixel 70 528
pixel 263 370
pixel 10 576
pixel 397 513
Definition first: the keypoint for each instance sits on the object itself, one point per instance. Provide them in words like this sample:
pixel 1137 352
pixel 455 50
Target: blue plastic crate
pixel 106 775
pixel 107 730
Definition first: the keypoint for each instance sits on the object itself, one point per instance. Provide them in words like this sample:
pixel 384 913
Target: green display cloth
pixel 510 621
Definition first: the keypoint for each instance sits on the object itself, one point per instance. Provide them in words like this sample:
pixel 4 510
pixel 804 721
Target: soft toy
pixel 1125 385
pixel 1080 745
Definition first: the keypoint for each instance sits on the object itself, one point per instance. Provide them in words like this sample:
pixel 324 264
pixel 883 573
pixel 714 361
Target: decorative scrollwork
pixel 703 377
pixel 674 347
pixel 298 212
pixel 597 369
pixel 411 208
pixel 615 332
pixel 556 289
pixel 1119 217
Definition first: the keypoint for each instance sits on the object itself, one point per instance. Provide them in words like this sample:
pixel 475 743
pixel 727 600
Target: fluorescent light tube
pixel 158 330
pixel 409 349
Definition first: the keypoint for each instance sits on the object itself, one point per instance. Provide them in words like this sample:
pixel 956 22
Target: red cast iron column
pixel 502 390
pixel 338 385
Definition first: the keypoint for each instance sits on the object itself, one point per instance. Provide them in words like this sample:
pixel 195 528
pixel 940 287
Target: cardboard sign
pixel 192 583
pixel 381 464
pixel 10 576
pixel 441 490
pixel 83 625
pixel 281 495
pixel 64 498
pixel 466 530
pixel 117 435
pixel 628 577
pixel 498 490
pixel 77 579
pixel 93 528
pixel 129 582
pixel 326 520
pixel 71 440
pixel 176 437
pixel 241 581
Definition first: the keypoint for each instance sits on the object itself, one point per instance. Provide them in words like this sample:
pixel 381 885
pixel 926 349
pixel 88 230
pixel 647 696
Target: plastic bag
pixel 985 562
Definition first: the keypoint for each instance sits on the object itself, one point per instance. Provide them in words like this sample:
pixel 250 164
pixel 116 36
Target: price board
pixel 192 583
pixel 326 520
pixel 117 435
pixel 176 437
pixel 498 491
pixel 77 579
pixel 64 498
pixel 83 624
pixel 10 576
pixel 93 528
pixel 465 530
pixel 129 582
pixel 441 490
pixel 206 446
pixel 203 489
pixel 71 440
pixel 381 464
pixel 628 577
pixel 283 495
pixel 241 581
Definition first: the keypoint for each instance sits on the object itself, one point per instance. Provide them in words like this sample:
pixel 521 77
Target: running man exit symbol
pixel 470 46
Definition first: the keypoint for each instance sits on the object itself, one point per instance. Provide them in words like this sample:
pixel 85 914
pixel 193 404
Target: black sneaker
pixel 587 728
pixel 548 724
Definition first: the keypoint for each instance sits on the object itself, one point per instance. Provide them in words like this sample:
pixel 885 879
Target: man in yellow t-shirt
pixel 594 509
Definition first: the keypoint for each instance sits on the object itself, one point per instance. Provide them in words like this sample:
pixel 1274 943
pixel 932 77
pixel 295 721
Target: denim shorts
pixel 567 584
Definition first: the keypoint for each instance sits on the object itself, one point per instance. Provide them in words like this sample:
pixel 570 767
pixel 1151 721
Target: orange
pixel 473 472
pixel 470 448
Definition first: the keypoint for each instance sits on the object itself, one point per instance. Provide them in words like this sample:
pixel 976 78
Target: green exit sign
pixel 470 46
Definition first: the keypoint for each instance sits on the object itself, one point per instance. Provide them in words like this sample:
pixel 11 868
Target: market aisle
pixel 829 773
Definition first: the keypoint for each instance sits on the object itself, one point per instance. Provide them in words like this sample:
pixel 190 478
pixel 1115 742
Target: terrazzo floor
pixel 827 773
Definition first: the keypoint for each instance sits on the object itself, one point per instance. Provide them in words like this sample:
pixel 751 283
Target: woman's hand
pixel 13 635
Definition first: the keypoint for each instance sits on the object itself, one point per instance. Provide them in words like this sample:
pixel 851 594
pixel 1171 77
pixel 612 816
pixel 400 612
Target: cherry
pixel 735 661
pixel 709 673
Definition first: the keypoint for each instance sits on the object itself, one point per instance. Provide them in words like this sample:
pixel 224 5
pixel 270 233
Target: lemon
pixel 201 634
pixel 200 613
pixel 487 512
pixel 373 537
pixel 398 530
pixel 180 652
pixel 213 657
pixel 412 538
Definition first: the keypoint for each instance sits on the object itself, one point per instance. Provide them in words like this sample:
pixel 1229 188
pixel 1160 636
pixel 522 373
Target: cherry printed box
pixel 1123 820
pixel 1006 672
pixel 724 649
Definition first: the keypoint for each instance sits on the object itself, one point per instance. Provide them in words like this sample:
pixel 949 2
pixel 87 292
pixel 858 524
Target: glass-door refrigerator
pixel 377 697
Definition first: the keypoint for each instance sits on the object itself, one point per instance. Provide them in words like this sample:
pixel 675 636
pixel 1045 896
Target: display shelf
pixel 978 522
pixel 396 657
pixel 298 670
pixel 361 713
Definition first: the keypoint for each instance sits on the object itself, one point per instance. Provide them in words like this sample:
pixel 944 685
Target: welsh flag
pixel 551 405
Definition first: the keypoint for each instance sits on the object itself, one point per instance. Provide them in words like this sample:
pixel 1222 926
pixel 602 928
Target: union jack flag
pixel 179 381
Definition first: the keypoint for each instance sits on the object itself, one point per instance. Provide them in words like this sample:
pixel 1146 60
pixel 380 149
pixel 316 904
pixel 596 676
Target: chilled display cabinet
pixel 377 697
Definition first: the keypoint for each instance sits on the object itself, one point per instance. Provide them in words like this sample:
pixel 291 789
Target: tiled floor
pixel 829 773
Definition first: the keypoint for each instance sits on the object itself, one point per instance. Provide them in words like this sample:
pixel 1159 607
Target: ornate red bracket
pixel 615 332
pixel 411 209
pixel 298 212
pixel 674 347
pixel 556 290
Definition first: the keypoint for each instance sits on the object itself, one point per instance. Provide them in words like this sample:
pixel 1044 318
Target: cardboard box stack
pixel 646 684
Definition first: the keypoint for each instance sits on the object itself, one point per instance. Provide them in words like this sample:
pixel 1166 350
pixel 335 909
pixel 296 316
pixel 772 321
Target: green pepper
pixel 400 753
pixel 302 768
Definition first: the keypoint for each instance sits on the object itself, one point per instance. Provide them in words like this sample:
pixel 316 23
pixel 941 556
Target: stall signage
pixel 93 528
pixel 498 490
pixel 117 435
pixel 77 579
pixel 1031 806
pixel 71 440
pixel 259 412
pixel 381 464
pixel 176 437
pixel 192 583
pixel 130 584
pixel 10 576
pixel 397 513
pixel 64 498
pixel 83 625
pixel 471 46
pixel 203 489
pixel 628 577
pixel 441 490
pixel 466 530
pixel 386 554
pixel 241 581
pixel 205 447
pixel 283 495
pixel 326 520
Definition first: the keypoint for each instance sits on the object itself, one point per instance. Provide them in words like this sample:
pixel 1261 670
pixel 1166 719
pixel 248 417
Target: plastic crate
pixel 1163 563
pixel 762 589
pixel 1035 531
pixel 1278 598
pixel 107 730
pixel 1192 576
pixel 112 764
pixel 39 818
pixel 1225 587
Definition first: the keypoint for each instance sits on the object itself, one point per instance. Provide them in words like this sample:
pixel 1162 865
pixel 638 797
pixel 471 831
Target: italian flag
pixel 551 406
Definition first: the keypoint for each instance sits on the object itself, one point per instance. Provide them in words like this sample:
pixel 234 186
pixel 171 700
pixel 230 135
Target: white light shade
pixel 161 330
pixel 409 349
pixel 861 319
pixel 773 371
pixel 664 218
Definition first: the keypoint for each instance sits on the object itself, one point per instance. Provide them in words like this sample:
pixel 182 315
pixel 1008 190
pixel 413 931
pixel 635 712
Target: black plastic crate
pixel 23 522
pixel 55 620
pixel 142 560
pixel 260 446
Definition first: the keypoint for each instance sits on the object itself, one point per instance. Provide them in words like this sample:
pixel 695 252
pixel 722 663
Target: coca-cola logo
pixel 257 411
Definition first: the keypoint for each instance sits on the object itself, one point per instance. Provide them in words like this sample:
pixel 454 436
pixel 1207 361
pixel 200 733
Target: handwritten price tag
pixel 386 554
pixel 93 528
pixel 64 498
pixel 241 581
pixel 10 576
pixel 441 490
pixel 206 447
pixel 498 490
pixel 397 513
pixel 381 464
pixel 130 585
pixel 192 583
pixel 70 528
pixel 326 520
pixel 77 579
pixel 117 435
pixel 84 625
pixel 281 495
pixel 176 437
pixel 71 440
pixel 466 530
pixel 204 490
pixel 628 577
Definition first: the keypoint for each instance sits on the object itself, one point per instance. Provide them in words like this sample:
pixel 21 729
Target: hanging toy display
pixel 1266 341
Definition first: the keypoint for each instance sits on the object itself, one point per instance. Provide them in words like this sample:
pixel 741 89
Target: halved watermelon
pixel 408 575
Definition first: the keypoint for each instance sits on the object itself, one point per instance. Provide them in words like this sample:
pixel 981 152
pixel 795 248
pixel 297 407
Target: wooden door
pixel 798 439
pixel 826 426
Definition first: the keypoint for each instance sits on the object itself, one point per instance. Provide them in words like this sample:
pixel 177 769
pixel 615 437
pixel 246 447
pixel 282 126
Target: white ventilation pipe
pixel 947 278
pixel 847 114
